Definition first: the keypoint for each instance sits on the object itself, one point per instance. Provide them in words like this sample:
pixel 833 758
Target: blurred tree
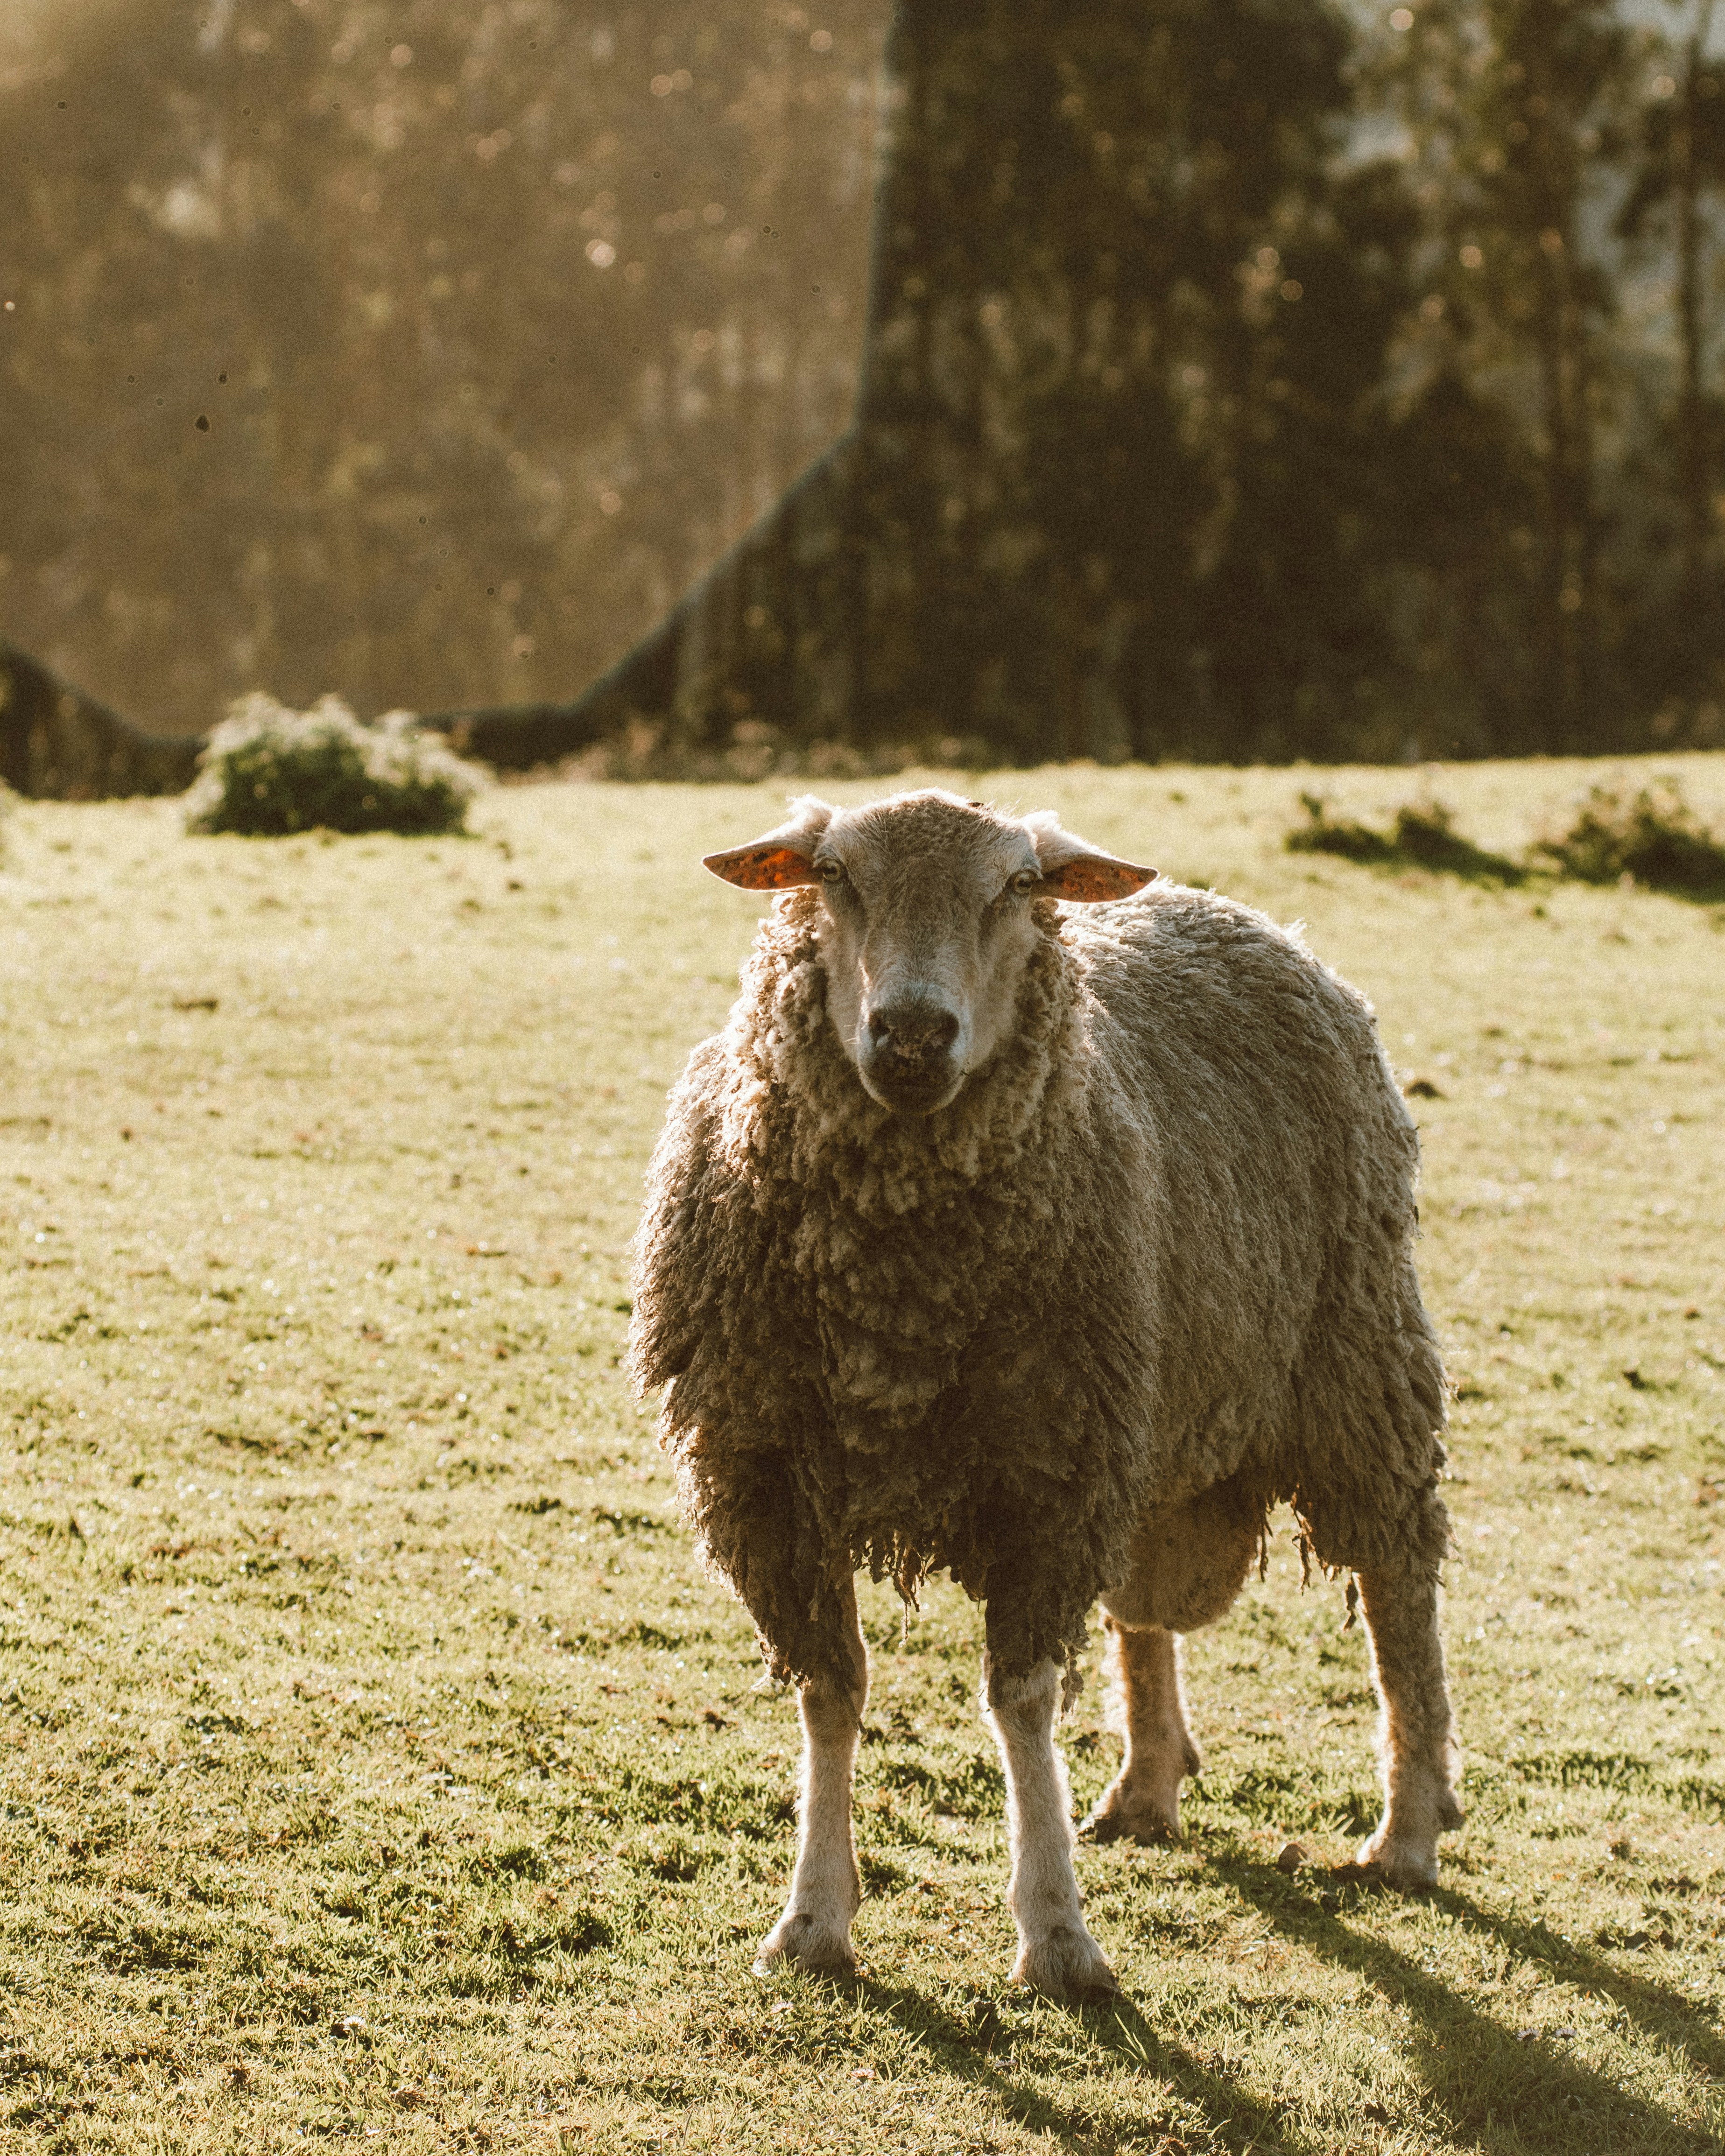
pixel 419 348
pixel 1241 377
pixel 1516 111
pixel 1108 488
pixel 1678 178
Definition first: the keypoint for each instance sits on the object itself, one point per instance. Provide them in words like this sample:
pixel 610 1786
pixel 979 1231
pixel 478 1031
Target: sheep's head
pixel 927 925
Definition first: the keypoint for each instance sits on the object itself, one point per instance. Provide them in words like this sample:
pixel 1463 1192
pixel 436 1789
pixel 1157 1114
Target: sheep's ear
pixel 780 859
pixel 768 865
pixel 1073 870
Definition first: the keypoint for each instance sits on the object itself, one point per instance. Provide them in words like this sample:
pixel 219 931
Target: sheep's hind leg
pixel 1056 1953
pixel 1416 1736
pixel 814 1930
pixel 1143 1803
pixel 1188 1562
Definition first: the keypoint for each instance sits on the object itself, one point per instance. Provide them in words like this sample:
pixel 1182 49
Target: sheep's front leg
pixel 814 1930
pixel 1056 1953
pixel 1416 1734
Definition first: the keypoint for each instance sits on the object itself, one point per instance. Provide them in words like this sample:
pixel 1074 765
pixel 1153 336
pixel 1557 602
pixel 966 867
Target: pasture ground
pixel 378 1765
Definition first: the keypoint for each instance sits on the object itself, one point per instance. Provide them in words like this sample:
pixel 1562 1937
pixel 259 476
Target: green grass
pixel 377 1761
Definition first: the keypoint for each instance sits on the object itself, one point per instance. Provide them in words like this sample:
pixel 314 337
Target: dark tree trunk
pixel 1563 337
pixel 1692 430
pixel 1073 378
pixel 1570 542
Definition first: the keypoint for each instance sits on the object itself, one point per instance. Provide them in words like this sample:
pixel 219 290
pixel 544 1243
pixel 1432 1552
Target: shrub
pixel 1423 835
pixel 1351 842
pixel 267 771
pixel 1655 838
pixel 1426 835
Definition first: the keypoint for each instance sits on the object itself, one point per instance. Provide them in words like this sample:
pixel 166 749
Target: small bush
pixel 1351 842
pixel 1427 836
pixel 268 771
pixel 1423 835
pixel 1653 839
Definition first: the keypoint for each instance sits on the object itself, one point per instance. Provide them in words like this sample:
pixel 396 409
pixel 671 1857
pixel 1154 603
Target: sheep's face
pixel 928 926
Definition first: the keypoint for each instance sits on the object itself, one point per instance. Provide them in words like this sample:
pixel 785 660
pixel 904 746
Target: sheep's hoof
pixel 809 1944
pixel 1408 1868
pixel 1117 1817
pixel 1065 1963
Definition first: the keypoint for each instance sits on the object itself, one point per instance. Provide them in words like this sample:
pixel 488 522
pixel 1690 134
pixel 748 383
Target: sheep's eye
pixel 1024 882
pixel 829 872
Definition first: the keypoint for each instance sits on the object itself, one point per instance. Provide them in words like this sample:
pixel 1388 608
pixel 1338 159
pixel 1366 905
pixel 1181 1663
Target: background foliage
pixel 425 351
pixel 268 773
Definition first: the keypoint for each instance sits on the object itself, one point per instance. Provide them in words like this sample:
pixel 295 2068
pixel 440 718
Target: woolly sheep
pixel 1050 1249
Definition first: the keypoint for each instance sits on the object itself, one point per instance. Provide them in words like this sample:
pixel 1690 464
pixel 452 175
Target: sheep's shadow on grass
pixel 1485 2086
pixel 1466 2058
pixel 970 2049
pixel 1664 2015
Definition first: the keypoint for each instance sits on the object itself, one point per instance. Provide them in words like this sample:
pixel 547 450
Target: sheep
pixel 1045 1224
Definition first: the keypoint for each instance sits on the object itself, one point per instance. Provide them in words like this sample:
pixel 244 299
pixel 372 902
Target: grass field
pixel 377 1763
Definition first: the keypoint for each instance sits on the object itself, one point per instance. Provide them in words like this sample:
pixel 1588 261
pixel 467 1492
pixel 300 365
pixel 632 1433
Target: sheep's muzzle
pixel 906 1055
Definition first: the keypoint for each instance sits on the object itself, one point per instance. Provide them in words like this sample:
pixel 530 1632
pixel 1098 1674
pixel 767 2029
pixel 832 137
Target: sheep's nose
pixel 919 1030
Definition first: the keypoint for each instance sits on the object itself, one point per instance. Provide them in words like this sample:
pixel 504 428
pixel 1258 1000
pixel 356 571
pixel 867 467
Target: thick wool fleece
pixel 1161 1242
